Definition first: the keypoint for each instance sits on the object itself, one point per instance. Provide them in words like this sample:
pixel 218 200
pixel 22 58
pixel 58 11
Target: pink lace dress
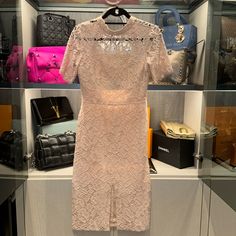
pixel 111 183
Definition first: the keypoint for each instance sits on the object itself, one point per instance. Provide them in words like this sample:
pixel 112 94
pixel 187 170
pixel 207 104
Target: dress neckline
pixel 108 30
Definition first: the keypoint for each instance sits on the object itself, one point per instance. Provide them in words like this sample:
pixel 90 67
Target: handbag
pixel 43 64
pixel 51 110
pixel 177 130
pixel 178 60
pixel 14 64
pixel 54 150
pixel 53 29
pixel 11 146
pixel 179 36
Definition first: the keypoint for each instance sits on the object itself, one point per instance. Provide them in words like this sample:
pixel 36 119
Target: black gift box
pixel 175 152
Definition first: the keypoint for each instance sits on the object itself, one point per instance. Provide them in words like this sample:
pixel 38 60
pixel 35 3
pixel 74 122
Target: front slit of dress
pixel 113 219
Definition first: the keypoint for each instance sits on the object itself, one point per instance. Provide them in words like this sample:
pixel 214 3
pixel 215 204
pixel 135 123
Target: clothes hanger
pixel 116 11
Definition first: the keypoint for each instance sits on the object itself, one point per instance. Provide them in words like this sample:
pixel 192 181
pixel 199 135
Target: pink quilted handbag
pixel 43 64
pixel 14 64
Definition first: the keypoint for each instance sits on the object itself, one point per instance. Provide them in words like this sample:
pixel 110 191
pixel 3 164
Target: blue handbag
pixel 179 36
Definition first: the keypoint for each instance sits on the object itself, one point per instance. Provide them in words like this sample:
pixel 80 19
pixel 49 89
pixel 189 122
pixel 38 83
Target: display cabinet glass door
pixel 218 149
pixel 13 168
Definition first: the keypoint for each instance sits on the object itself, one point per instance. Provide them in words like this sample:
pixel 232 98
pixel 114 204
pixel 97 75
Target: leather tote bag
pixel 51 110
pixel 179 36
pixel 53 29
pixel 53 151
pixel 43 64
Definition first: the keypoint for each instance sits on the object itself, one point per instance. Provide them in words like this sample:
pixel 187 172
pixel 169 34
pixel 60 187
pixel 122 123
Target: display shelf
pixel 52 86
pixel 7 172
pixel 148 5
pixel 11 85
pixel 215 170
pixel 163 171
pixel 77 86
pixel 226 86
pixel 186 87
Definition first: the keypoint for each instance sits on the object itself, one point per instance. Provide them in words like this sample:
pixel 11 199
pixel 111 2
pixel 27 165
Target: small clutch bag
pixel 53 151
pixel 51 110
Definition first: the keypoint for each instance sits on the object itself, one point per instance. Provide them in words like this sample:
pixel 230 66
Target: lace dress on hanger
pixel 111 183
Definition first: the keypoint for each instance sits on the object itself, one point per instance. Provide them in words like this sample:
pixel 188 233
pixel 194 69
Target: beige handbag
pixel 177 130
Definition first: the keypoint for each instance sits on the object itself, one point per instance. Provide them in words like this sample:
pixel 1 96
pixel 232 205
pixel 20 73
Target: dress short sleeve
pixel 159 65
pixel 71 59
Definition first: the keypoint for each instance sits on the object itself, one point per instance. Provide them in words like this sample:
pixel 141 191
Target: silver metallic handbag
pixel 178 60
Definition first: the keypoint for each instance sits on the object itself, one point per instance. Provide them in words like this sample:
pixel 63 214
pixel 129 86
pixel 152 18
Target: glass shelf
pixel 135 4
pixel 77 86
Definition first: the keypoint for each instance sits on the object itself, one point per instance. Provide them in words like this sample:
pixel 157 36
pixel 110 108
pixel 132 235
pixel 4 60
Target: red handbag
pixel 43 64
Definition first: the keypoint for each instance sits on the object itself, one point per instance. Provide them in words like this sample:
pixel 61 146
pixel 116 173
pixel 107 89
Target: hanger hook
pixel 111 3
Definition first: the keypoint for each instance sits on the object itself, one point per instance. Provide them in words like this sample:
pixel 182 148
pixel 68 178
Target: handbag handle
pixel 181 130
pixel 166 17
pixel 60 16
pixel 169 8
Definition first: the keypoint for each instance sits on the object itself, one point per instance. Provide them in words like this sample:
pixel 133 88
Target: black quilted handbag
pixel 53 151
pixel 11 149
pixel 53 29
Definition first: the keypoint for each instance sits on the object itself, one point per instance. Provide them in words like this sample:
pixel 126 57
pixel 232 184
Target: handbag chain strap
pixel 57 15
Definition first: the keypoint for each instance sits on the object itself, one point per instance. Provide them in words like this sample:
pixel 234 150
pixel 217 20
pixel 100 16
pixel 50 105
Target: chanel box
pixel 175 152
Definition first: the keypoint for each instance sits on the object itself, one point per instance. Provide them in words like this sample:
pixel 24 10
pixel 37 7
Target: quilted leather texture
pixel 11 143
pixel 53 30
pixel 54 151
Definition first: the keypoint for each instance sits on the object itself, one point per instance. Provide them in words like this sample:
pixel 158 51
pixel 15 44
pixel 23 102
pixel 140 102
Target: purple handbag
pixel 43 64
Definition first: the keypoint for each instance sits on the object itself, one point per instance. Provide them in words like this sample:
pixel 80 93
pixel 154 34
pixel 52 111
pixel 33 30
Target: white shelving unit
pixel 180 203
pixel 176 193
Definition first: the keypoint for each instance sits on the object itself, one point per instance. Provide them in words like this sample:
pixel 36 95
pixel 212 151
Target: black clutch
pixel 53 151
pixel 51 110
pixel 53 29
pixel 11 146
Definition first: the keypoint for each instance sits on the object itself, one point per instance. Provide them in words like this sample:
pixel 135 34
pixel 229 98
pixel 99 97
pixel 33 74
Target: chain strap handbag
pixel 53 151
pixel 53 29
pixel 50 110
